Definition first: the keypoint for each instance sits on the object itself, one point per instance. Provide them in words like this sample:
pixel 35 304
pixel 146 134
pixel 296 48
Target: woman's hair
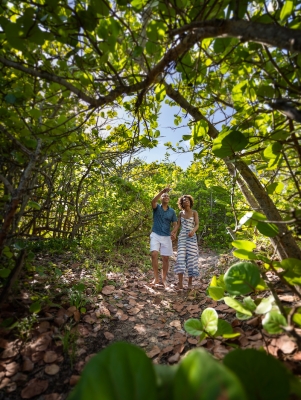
pixel 180 201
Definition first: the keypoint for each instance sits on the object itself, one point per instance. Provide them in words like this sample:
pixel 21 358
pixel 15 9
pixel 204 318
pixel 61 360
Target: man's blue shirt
pixel 163 219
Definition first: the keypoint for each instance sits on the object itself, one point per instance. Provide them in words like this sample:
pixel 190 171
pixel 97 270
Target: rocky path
pixel 48 363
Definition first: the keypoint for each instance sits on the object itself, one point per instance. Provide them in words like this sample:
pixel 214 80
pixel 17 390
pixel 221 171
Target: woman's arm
pixel 196 224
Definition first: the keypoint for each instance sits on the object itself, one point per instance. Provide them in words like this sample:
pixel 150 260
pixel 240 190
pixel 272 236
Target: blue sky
pixel 169 133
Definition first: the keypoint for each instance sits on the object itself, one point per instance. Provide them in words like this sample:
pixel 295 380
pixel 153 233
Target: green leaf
pixel 35 308
pixel 272 151
pixel 249 303
pixel 119 372
pixel 223 328
pixel 265 305
pixel 244 254
pixel 138 50
pixel 193 327
pixel 216 292
pixel 244 244
pixel 201 377
pixel 267 229
pixel 273 322
pixel 242 278
pixel 229 142
pixel 275 187
pixel 34 205
pixel 237 306
pixel 262 375
pixel 287 9
pixel 221 44
pixel 199 129
pixel 10 98
pixel 186 137
pixel 165 379
pixel 209 320
pixel 4 272
pixel 100 7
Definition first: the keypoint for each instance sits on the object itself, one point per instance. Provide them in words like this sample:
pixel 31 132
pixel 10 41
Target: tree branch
pixel 246 31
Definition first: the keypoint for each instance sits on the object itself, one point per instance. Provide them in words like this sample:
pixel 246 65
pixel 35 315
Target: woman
pixel 188 254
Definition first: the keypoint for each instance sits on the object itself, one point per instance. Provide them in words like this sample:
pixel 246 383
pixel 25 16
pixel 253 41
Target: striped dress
pixel 188 253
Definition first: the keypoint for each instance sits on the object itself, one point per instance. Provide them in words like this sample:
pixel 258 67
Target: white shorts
pixel 162 244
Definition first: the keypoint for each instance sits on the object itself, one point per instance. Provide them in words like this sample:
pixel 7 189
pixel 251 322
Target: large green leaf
pixel 287 9
pixel 193 327
pixel 265 305
pixel 209 320
pixel 244 244
pixel 244 254
pixel 229 142
pixel 237 306
pixel 120 372
pixel 216 292
pixel 242 278
pixel 267 229
pixel 200 377
pixel 262 376
pixel 274 322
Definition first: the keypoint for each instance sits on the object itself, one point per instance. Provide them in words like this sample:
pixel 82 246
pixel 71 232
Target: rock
pixel 73 380
pixel 52 369
pixel 108 335
pixel 50 357
pixel 11 369
pixel 173 359
pixel 27 365
pixel 34 388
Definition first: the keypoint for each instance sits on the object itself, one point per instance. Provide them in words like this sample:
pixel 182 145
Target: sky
pixel 169 133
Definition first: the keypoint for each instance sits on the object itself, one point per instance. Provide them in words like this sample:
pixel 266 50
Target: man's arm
pixel 157 197
pixel 176 225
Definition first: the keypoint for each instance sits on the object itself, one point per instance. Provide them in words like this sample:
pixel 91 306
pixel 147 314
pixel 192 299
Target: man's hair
pixel 181 199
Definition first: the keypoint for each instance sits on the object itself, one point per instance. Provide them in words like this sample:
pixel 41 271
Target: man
pixel 160 238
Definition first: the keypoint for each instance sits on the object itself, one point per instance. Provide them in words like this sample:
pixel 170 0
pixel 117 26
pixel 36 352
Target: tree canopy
pixel 68 66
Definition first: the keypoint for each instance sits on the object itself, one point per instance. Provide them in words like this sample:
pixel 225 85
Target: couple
pixel 161 237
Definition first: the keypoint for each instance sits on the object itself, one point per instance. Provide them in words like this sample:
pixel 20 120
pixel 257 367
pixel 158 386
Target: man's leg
pixel 155 266
pixel 165 266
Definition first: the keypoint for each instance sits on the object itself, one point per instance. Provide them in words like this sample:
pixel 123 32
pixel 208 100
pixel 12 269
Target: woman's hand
pixel 191 233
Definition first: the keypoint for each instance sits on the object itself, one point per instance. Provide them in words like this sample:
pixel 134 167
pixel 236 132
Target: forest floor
pixel 43 356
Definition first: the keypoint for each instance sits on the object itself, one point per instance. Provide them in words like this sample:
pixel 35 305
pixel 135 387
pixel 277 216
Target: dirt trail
pixel 127 309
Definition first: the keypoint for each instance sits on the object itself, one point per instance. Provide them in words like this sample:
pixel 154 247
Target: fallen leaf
pixel 11 350
pixel 37 356
pixel 50 357
pixel 34 388
pixel 179 348
pixel 52 396
pixel 176 324
pixel 107 290
pixel 285 344
pixel 4 383
pixel 140 329
pixel 167 349
pixel 19 377
pixel 76 315
pixel 153 352
pixel 173 359
pixel 73 380
pixel 108 335
pixel 192 341
pixel 27 365
pixel 11 369
pixel 52 369
pixel 220 351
